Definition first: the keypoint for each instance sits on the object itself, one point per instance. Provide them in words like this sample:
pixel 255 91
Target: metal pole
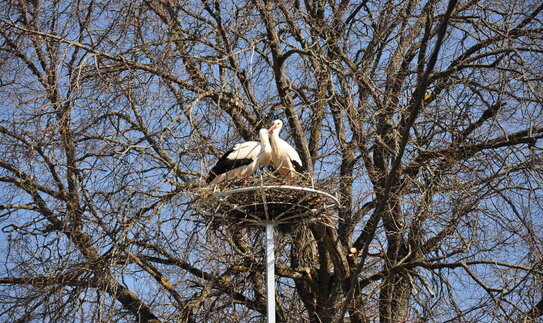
pixel 270 272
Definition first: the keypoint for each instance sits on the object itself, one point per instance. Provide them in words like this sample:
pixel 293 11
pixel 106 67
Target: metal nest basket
pixel 267 199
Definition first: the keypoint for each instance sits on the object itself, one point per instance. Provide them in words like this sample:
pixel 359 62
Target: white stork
pixel 242 160
pixel 285 159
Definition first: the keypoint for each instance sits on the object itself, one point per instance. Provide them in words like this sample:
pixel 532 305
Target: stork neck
pixel 265 140
pixel 275 139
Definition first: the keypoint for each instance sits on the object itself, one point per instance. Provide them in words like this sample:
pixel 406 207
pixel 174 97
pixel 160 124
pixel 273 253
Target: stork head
pixel 277 125
pixel 262 133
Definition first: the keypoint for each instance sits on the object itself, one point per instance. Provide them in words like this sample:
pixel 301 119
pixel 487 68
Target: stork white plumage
pixel 242 160
pixel 285 158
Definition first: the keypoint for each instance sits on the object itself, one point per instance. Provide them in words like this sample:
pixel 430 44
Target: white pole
pixel 270 272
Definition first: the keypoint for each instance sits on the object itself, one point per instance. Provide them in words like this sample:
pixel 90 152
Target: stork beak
pixel 272 128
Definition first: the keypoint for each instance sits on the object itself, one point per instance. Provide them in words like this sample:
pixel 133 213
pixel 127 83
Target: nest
pixel 259 200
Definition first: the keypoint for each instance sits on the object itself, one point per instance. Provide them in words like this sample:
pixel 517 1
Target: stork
pixel 285 159
pixel 242 160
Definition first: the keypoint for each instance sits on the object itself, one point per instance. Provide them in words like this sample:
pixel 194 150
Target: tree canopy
pixel 423 117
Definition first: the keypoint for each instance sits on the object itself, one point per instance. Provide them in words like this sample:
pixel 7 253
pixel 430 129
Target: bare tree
pixel 424 117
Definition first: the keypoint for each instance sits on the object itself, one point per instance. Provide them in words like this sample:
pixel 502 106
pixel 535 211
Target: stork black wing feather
pixel 225 164
pixel 297 166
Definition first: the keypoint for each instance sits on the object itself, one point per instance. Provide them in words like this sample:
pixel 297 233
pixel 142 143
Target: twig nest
pixel 256 201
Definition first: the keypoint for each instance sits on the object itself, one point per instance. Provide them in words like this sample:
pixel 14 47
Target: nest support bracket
pixel 269 206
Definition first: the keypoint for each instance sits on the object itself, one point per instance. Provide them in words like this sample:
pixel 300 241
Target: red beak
pixel 272 128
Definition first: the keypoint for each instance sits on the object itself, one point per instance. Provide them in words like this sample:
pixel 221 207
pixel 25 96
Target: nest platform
pixel 266 199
